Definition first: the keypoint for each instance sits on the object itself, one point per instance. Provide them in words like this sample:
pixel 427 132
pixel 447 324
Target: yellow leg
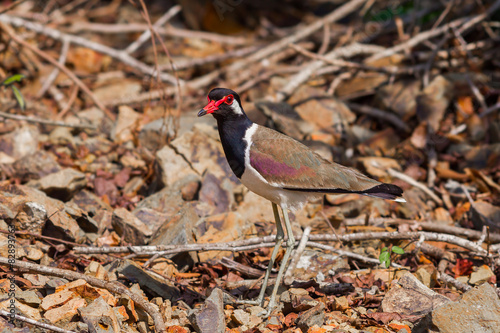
pixel 279 240
pixel 290 243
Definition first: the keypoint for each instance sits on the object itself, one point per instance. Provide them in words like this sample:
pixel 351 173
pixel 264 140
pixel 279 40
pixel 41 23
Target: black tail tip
pixel 386 191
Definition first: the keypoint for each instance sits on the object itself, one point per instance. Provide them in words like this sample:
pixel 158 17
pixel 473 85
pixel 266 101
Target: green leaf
pixel 387 263
pixel 19 97
pixel 398 250
pixel 11 79
pixel 384 257
pixel 384 249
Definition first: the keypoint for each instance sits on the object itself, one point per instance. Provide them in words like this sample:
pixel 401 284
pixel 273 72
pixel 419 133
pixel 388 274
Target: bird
pixel 283 171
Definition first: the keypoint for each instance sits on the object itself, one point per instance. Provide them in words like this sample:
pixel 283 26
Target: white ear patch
pixel 236 107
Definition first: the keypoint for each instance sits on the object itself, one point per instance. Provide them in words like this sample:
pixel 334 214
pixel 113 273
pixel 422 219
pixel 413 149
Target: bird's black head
pixel 223 104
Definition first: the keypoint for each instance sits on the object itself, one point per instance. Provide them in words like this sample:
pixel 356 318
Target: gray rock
pixel 77 326
pixel 152 284
pixel 245 320
pixel 157 209
pixel 153 135
pixel 297 300
pixel 29 297
pixel 54 283
pixel 95 207
pixel 128 226
pixel 482 275
pixel 178 230
pixel 152 218
pixel 311 317
pixel 477 311
pixel 217 194
pixel 410 297
pixel 25 206
pixel 86 223
pixel 133 186
pixel 61 136
pixel 209 318
pixel 173 167
pixel 219 228
pixel 314 262
pixel 61 185
pixel 35 166
pixel 35 216
pixel 22 142
pixel 484 214
pixel 400 97
pixel 204 153
pixel 99 317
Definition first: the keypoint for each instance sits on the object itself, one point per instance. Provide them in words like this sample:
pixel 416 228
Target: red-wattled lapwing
pixel 282 170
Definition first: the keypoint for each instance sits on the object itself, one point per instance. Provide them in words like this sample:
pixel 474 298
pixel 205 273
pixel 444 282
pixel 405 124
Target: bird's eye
pixel 229 99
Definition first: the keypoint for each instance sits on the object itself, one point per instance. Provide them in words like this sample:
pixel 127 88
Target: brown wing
pixel 287 163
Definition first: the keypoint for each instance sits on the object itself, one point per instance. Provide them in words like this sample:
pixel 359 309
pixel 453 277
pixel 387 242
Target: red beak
pixel 210 108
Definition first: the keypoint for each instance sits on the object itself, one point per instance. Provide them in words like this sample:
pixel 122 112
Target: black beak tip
pixel 202 113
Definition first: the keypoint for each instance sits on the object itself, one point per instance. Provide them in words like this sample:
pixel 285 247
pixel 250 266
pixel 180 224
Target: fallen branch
pixel 34 322
pixel 53 75
pixel 457 231
pixel 301 33
pixel 269 241
pixel 415 183
pixel 380 114
pixel 348 254
pixel 461 24
pixel 44 121
pixel 246 270
pixel 114 287
pixel 147 31
pixel 454 282
pixel 103 28
pixel 311 68
pixel 66 71
pixel 77 40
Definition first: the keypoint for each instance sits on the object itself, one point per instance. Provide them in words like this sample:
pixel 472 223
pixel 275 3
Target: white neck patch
pixel 236 107
pixel 248 138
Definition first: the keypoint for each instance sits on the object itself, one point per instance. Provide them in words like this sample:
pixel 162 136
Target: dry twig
pixel 44 121
pixel 462 24
pixel 77 40
pixel 301 33
pixel 147 33
pixel 66 71
pixel 53 75
pixel 268 241
pixel 380 114
pixel 114 287
pixel 36 323
pixel 413 182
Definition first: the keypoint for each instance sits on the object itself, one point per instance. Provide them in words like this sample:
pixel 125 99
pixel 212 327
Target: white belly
pixel 291 200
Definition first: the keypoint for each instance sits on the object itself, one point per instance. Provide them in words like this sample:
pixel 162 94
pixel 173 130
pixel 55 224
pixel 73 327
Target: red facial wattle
pixel 213 106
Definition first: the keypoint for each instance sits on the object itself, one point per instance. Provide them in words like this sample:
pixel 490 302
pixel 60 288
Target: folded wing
pixel 290 165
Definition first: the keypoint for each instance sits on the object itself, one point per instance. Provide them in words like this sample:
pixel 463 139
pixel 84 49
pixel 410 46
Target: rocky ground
pixel 119 212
